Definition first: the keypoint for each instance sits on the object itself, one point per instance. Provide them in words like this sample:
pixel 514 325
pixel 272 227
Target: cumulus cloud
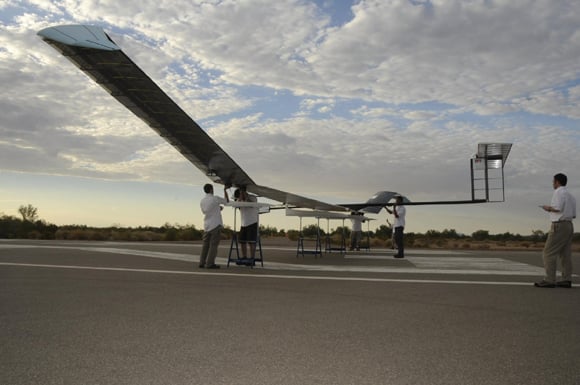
pixel 392 94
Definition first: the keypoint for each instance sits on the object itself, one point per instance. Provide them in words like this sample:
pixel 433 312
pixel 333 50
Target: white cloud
pixel 453 51
pixel 423 82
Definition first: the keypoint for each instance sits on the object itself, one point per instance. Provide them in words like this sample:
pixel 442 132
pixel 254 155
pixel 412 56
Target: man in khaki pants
pixel 562 210
pixel 212 226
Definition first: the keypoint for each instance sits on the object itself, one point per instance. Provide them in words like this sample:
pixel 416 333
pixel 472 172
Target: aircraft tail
pixel 487 182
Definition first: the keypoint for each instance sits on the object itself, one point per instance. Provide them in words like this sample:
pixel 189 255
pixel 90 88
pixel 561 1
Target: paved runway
pixel 143 313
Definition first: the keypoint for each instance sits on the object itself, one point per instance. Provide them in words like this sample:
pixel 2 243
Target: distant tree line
pixel 385 232
pixel 29 226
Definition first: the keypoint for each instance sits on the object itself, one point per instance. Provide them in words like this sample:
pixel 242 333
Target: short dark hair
pixel 561 178
pixel 208 188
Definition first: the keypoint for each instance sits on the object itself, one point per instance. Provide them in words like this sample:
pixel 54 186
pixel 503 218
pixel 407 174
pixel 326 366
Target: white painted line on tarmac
pixel 112 250
pixel 428 265
pixel 435 264
pixel 408 253
pixel 300 277
pixel 421 265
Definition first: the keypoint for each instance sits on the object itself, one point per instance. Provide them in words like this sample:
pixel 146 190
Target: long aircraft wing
pixel 90 49
pixel 93 51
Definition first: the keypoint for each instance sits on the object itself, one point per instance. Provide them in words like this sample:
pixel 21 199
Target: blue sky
pixel 333 100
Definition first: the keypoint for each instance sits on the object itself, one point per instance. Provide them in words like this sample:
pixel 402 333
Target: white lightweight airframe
pixel 95 53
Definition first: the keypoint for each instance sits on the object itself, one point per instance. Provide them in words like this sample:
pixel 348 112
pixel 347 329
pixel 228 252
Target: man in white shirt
pixel 212 226
pixel 399 225
pixel 356 232
pixel 562 210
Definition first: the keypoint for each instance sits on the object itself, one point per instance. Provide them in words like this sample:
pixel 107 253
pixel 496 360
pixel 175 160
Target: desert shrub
pixel 480 235
pixel 293 235
pixel 311 231
pixel 337 238
pixel 190 234
pixel 170 234
pixel 145 236
pixel 34 235
pixel 441 242
pixel 377 242
pixel 96 235
pixel 78 235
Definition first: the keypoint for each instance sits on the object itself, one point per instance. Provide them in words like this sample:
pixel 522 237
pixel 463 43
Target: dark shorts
pixel 249 234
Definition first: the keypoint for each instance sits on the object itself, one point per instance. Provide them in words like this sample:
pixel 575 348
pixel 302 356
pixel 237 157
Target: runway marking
pixel 386 253
pixel 113 250
pixel 435 264
pixel 274 276
pixel 421 265
pixel 430 265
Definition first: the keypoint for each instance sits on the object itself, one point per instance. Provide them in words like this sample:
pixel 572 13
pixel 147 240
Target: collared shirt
pixel 249 214
pixel 401 212
pixel 211 209
pixel 565 203
pixel 356 223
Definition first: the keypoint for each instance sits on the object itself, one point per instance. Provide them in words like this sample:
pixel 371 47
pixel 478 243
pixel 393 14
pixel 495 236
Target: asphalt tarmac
pixel 144 313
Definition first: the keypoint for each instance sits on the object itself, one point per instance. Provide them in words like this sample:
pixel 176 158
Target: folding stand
pixel 318 247
pixel 234 246
pixel 319 214
pixel 367 246
pixel 328 246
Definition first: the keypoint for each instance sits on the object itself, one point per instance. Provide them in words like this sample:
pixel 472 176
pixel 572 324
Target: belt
pixel 562 220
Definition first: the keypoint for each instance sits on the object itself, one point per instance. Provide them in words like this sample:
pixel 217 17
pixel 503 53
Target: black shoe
pixel 214 266
pixel 544 284
pixel 201 265
pixel 566 284
pixel 398 256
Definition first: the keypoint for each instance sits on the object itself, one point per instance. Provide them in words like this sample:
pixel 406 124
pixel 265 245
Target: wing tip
pixel 87 36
